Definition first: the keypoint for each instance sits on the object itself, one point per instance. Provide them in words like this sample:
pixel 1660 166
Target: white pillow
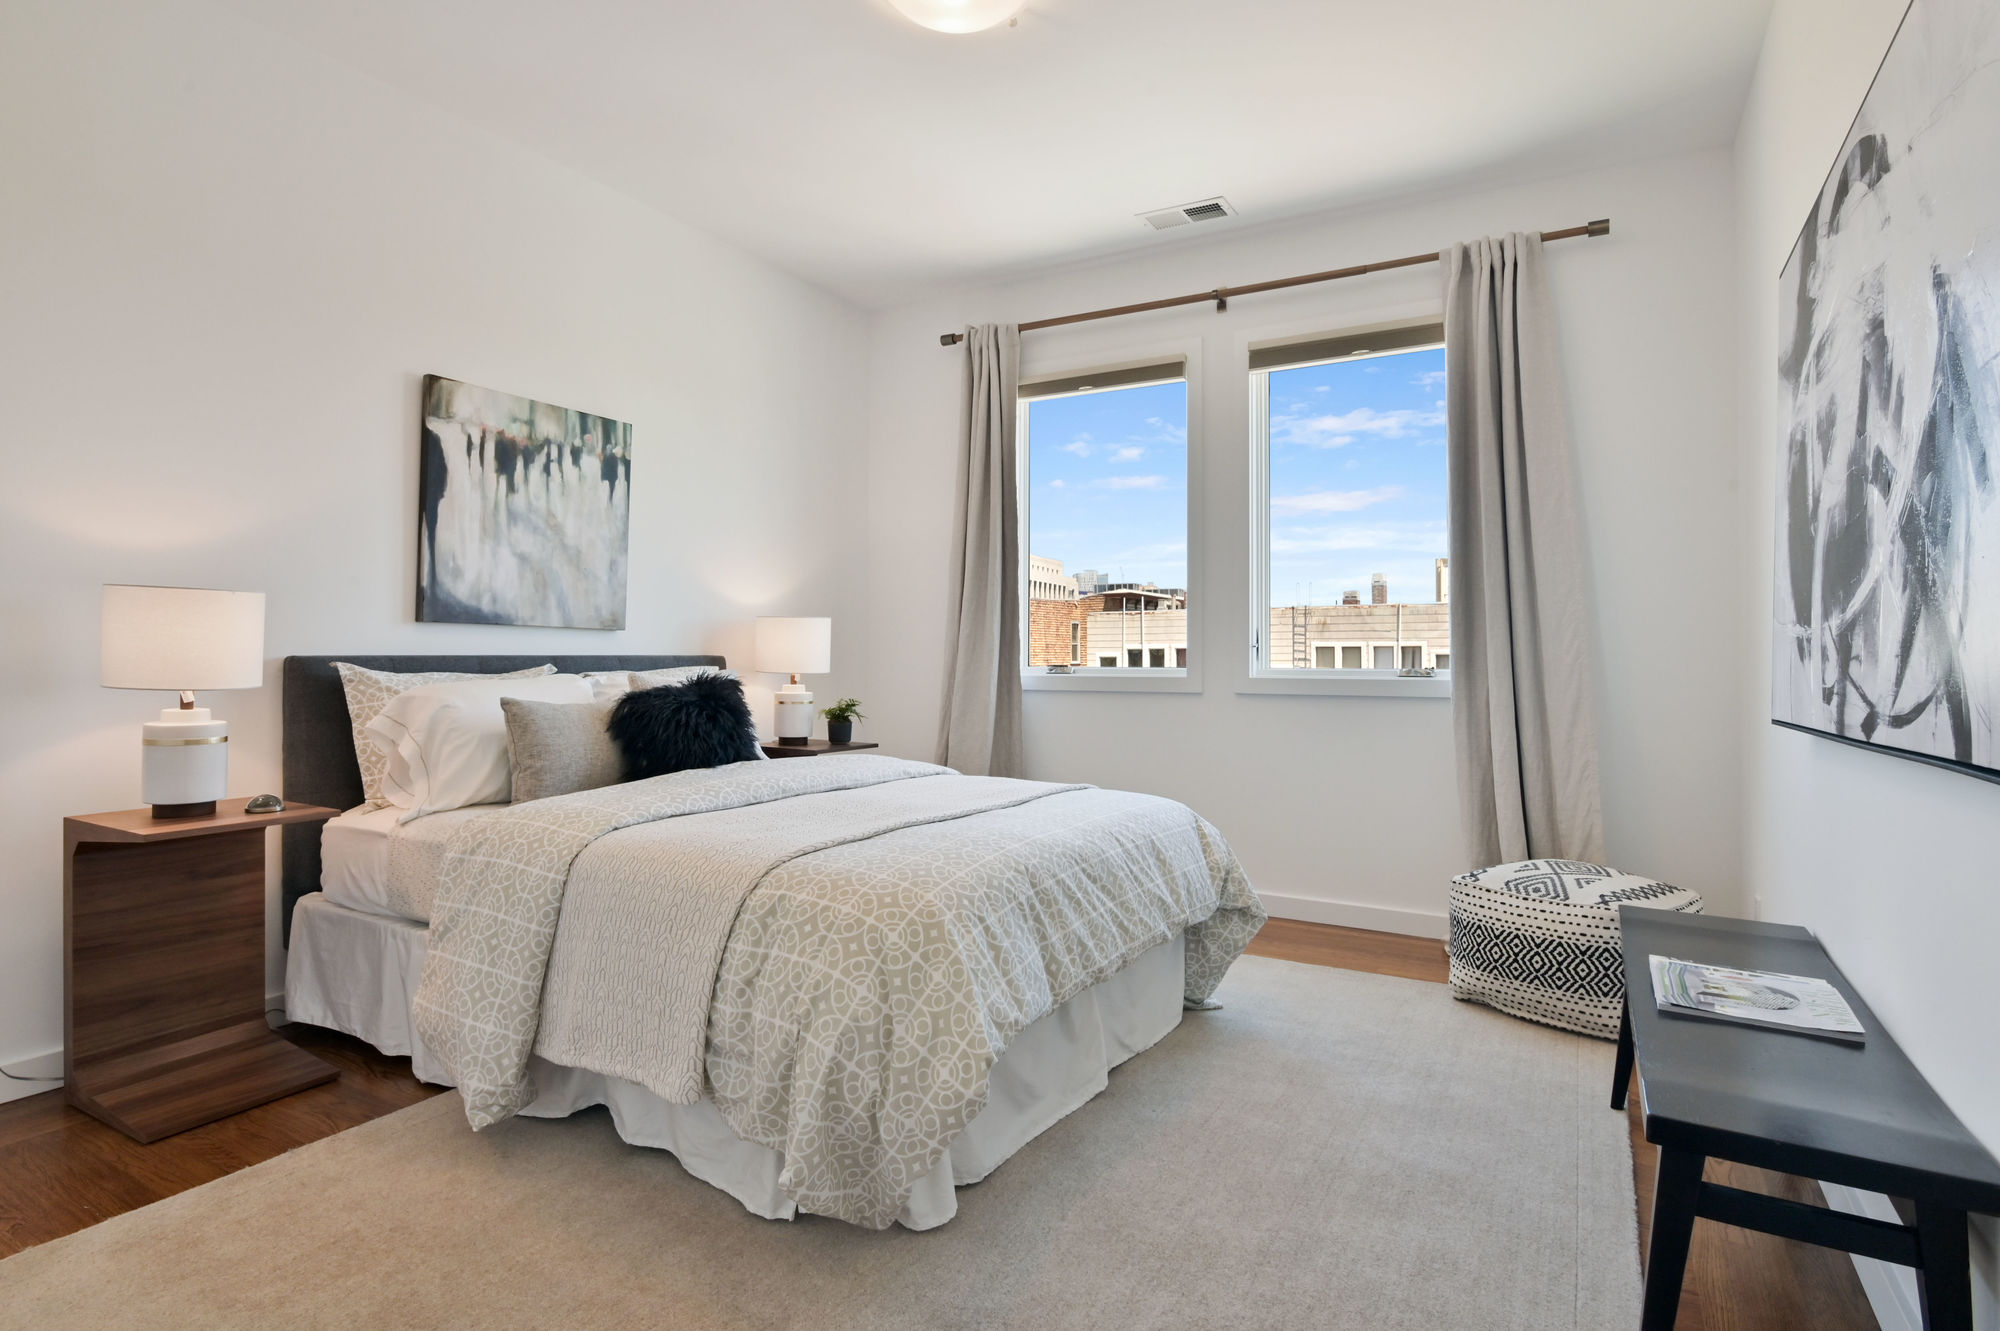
pixel 369 691
pixel 608 685
pixel 653 679
pixel 446 744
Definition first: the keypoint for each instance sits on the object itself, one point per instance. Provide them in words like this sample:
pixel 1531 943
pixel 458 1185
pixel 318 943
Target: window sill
pixel 1164 679
pixel 1347 684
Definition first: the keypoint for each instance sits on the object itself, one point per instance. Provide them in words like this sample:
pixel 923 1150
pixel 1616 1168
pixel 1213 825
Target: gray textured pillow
pixel 559 747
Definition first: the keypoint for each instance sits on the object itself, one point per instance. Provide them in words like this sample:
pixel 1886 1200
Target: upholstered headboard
pixel 320 767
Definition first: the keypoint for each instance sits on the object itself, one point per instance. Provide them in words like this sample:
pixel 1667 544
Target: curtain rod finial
pixel 950 339
pixel 1601 227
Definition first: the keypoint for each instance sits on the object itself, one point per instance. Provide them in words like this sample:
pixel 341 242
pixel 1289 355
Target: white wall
pixel 226 265
pixel 1343 808
pixel 1889 861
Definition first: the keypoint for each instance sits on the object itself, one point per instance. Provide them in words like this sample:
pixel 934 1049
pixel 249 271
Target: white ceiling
pixel 843 143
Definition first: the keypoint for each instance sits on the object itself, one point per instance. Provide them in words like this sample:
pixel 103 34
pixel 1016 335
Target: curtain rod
pixel 1221 295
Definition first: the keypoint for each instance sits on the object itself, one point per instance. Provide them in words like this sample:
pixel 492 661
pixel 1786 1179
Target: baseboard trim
pixel 1358 915
pixel 1891 1289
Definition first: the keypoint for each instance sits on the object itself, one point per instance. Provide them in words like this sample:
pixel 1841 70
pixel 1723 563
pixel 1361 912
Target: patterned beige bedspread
pixel 836 952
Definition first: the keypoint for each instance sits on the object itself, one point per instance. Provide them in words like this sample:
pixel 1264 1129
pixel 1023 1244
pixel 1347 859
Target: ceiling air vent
pixel 1206 210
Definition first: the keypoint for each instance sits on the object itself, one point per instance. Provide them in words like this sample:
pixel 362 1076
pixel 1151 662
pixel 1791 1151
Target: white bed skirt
pixel 357 973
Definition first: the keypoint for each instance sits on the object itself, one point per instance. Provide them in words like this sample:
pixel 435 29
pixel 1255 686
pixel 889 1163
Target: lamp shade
pixel 794 646
pixel 177 638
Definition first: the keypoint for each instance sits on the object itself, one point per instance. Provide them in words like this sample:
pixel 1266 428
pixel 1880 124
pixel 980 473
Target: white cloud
pixel 1336 430
pixel 1132 454
pixel 1334 501
pixel 1079 446
pixel 1429 379
pixel 1056 485
pixel 1168 434
pixel 1130 482
pixel 1419 537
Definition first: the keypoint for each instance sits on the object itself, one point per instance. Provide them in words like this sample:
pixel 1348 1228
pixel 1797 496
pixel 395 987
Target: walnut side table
pixel 163 969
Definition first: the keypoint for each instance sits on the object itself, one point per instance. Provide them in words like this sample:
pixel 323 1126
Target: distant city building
pixel 1124 624
pixel 1359 637
pixel 1046 581
pixel 1085 622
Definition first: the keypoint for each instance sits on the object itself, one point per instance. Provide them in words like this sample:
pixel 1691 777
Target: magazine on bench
pixel 1753 998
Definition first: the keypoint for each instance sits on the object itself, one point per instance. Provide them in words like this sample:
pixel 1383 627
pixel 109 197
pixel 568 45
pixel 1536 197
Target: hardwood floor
pixel 1737 1280
pixel 61 1170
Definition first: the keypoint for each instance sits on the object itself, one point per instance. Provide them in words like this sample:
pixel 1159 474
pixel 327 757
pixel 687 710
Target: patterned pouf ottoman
pixel 1539 939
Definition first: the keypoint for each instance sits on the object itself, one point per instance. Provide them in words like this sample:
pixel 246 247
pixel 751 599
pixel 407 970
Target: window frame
pixel 1257 676
pixel 1048 358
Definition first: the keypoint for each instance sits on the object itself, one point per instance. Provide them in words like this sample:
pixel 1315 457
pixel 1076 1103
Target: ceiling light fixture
pixel 958 16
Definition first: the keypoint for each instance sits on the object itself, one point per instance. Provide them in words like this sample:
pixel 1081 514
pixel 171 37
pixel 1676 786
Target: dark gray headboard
pixel 320 766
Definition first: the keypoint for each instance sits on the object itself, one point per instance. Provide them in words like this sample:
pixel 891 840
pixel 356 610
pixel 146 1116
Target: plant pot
pixel 840 732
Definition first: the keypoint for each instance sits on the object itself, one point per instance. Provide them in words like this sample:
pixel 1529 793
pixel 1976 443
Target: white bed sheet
pixel 354 851
pixel 356 971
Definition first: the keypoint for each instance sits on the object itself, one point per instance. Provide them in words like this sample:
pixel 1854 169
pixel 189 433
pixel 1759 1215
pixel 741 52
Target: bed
pixel 847 986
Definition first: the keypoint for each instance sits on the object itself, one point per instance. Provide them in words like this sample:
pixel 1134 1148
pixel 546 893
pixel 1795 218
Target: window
pixel 1106 516
pixel 1350 563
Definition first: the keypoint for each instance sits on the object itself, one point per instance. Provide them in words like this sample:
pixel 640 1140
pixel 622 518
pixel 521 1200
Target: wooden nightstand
pixel 163 969
pixel 812 748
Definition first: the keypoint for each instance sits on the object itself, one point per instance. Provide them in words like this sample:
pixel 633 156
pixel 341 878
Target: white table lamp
pixel 180 639
pixel 794 647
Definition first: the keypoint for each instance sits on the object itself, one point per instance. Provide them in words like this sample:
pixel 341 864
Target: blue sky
pixel 1357 479
pixel 1108 478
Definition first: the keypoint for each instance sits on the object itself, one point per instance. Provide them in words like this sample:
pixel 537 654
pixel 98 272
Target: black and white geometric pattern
pixel 1539 939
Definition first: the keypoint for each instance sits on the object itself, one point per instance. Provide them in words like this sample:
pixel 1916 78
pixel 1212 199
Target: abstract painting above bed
pixel 524 511
pixel 1886 608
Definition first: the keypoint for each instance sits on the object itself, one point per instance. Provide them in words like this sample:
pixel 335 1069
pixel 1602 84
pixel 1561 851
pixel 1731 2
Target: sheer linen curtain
pixel 980 731
pixel 1522 709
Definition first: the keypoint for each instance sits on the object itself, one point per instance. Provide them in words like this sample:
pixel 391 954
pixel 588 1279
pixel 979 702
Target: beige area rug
pixel 1330 1150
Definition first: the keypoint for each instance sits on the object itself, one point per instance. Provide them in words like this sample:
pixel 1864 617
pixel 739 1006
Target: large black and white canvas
pixel 1886 624
pixel 525 511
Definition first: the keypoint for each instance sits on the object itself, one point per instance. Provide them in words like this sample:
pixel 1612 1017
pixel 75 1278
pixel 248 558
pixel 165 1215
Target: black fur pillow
pixel 700 722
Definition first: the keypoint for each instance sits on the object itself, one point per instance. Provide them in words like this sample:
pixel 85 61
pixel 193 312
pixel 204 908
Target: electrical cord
pixel 15 1076
pixel 269 1012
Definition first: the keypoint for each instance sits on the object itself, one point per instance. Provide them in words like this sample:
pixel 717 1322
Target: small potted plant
pixel 840 719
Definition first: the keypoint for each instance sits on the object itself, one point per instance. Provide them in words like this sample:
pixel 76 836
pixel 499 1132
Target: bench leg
pixel 1945 1280
pixel 1675 1192
pixel 1621 1075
